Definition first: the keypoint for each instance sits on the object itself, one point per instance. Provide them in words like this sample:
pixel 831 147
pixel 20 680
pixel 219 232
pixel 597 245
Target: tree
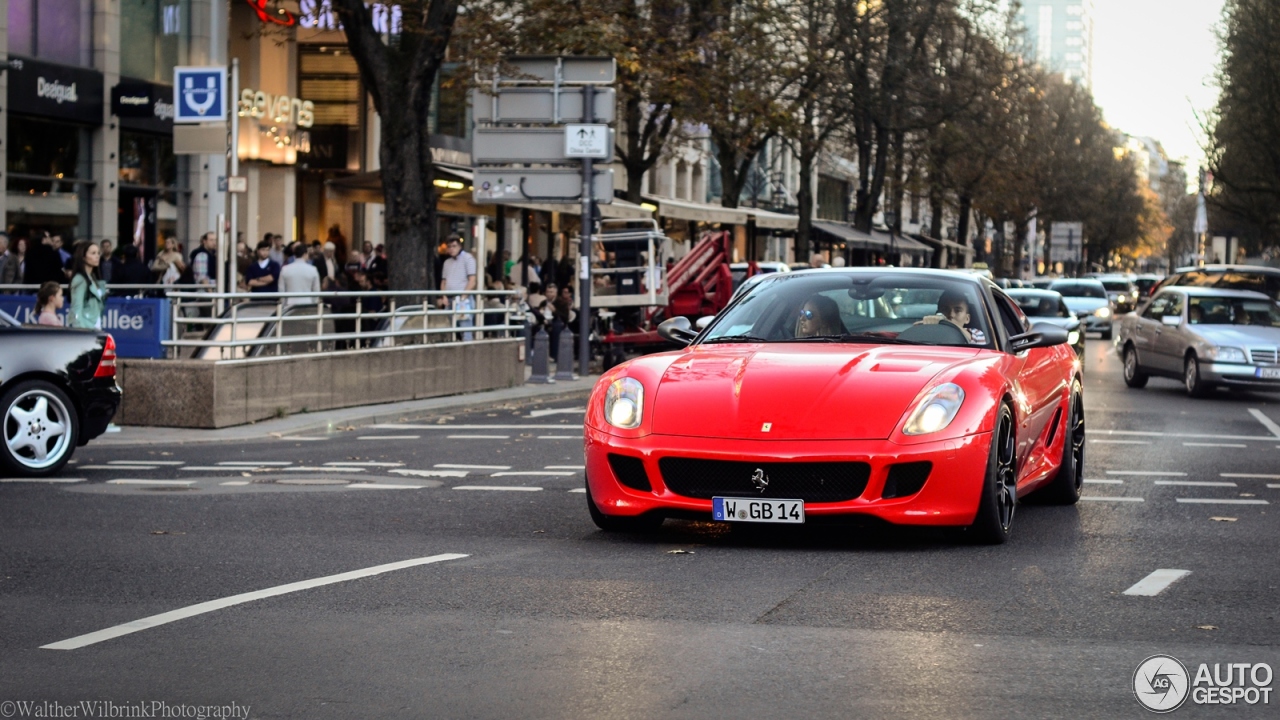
pixel 399 73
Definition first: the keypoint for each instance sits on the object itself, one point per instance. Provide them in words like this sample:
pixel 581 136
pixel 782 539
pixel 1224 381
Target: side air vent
pixel 906 479
pixel 630 472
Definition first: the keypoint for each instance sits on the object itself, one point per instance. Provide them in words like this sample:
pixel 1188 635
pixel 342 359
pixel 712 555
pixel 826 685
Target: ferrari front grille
pixel 906 479
pixel 807 481
pixel 630 472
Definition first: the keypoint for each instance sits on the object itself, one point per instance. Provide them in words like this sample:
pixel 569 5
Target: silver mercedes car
pixel 1204 336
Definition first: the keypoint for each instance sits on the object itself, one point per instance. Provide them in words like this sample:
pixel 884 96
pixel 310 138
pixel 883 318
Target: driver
pixel 953 308
pixel 819 316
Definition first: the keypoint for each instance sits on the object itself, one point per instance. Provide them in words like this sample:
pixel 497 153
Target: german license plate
pixel 1269 373
pixel 757 510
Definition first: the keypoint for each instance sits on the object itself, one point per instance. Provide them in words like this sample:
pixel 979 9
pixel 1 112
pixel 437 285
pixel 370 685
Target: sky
pixel 1153 66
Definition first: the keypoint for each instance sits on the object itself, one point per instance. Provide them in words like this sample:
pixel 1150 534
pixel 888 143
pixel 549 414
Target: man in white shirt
pixel 459 275
pixel 299 276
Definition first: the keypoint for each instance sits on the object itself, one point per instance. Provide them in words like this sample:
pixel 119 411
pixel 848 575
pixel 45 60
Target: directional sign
pixel 538 105
pixel 503 146
pixel 574 70
pixel 542 185
pixel 588 141
pixel 200 94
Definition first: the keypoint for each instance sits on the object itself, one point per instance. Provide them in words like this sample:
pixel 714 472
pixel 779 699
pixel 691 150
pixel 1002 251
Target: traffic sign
pixel 540 185
pixel 588 141
pixel 538 105
pixel 504 146
pixel 199 94
pixel 573 70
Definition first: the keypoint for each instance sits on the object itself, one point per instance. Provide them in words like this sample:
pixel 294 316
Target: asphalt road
pixel 543 616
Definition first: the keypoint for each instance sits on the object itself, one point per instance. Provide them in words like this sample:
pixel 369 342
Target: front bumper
pixel 1236 375
pixel 949 496
pixel 1093 323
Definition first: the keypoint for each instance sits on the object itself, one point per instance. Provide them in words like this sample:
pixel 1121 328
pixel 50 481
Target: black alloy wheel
pixel 994 521
pixel 1065 487
pixel 1133 375
pixel 640 524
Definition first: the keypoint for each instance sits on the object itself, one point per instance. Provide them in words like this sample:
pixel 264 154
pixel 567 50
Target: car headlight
pixel 1227 354
pixel 936 411
pixel 1073 337
pixel 1102 312
pixel 624 403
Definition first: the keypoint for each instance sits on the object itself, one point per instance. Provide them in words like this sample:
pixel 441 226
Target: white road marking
pixel 1145 473
pixel 365 464
pixel 49 480
pixel 1222 501
pixel 1267 422
pixel 130 481
pixel 478 437
pixel 1192 436
pixel 1274 486
pixel 1195 483
pixel 220 468
pixel 579 490
pixel 1214 445
pixel 309 468
pixel 429 473
pixel 303 437
pixel 497 487
pixel 472 467
pixel 118 467
pixel 1260 476
pixel 535 473
pixel 566 467
pixel 235 483
pixel 274 463
pixel 388 437
pixel 1105 482
pixel 563 426
pixel 1112 499
pixel 559 437
pixel 1120 442
pixel 212 605
pixel 556 411
pixel 145 462
pixel 1156 582
pixel 384 486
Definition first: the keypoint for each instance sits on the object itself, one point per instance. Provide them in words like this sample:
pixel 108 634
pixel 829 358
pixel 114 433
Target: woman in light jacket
pixel 88 289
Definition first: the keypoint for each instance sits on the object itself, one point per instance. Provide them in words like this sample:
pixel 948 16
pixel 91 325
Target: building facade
pixel 1060 36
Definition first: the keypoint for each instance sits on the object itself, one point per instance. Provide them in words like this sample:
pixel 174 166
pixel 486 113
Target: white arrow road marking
pixel 1156 582
pixel 1267 422
pixel 365 464
pixel 128 481
pixel 232 463
pixel 212 605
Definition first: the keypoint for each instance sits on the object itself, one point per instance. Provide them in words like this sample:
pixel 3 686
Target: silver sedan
pixel 1205 337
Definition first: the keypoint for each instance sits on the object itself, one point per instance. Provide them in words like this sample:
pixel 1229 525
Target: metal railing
pixel 276 324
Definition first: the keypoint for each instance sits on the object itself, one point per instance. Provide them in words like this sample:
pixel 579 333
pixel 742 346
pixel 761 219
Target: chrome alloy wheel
pixel 37 429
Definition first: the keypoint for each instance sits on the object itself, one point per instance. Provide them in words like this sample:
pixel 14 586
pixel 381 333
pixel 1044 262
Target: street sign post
pixel 540 105
pixel 542 185
pixel 547 146
pixel 588 141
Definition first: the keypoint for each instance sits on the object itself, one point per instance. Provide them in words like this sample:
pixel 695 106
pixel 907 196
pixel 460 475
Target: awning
pixel 773 221
pixel 846 233
pixel 903 244
pixel 697 212
pixel 952 247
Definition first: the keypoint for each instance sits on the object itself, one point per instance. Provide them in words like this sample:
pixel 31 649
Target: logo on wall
pixel 200 94
pixel 279 17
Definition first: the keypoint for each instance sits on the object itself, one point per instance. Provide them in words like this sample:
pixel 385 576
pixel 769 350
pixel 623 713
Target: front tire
pixel 640 524
pixel 41 428
pixel 994 521
pixel 1065 487
pixel 1195 384
pixel 1133 375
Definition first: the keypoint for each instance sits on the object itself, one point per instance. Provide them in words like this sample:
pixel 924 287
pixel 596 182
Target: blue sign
pixel 138 325
pixel 199 94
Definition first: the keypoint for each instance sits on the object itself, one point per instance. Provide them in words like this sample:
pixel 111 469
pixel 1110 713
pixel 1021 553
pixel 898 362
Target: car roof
pixel 924 272
pixel 1264 269
pixel 1032 292
pixel 1087 281
pixel 1197 291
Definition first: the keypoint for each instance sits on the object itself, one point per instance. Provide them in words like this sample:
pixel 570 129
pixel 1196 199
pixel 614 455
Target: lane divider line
pixel 212 605
pixel 256 463
pixel 146 462
pixel 556 411
pixel 1120 442
pixel 472 467
pixel 535 473
pixel 1222 501
pixel 46 480
pixel 429 473
pixel 1156 583
pixel 1103 498
pixel 1104 482
pixel 388 437
pixel 1259 476
pixel 584 467
pixel 235 483
pixel 130 481
pixel 1267 422
pixel 1192 436
pixel 1195 483
pixel 1214 445
pixel 579 490
pixel 384 486
pixel 559 437
pixel 521 488
pixel 309 468
pixel 1142 473
pixel 365 464
pixel 477 437
pixel 118 467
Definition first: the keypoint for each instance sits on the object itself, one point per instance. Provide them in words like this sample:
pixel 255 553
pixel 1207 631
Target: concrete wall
pixel 208 394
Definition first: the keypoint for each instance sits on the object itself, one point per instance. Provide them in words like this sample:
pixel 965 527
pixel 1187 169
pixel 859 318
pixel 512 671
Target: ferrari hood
pixel 795 391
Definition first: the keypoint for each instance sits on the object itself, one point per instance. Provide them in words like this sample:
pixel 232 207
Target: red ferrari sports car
pixel 920 397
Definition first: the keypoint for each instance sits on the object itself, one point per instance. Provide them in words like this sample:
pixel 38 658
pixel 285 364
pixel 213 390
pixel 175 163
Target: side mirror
pixel 1171 320
pixel 704 321
pixel 1041 335
pixel 677 330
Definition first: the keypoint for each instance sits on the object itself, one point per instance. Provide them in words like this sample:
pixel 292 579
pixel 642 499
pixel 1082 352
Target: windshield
pixel 1232 311
pixel 858 308
pixel 1039 304
pixel 1080 289
pixel 1117 285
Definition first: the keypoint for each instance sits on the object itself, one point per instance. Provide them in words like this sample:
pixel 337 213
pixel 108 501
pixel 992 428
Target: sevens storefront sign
pixel 199 94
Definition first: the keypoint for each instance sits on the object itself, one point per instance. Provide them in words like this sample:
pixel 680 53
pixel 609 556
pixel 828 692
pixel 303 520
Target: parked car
pixel 1206 337
pixel 1009 283
pixel 1087 298
pixel 57 392
pixel 1122 292
pixel 1257 278
pixel 1048 306
pixel 818 395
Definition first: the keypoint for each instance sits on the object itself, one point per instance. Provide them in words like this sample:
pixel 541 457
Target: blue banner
pixel 138 325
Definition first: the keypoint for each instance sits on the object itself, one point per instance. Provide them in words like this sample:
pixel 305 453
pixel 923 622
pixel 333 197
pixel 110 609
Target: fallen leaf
pixel 1218 518
pixel 245 474
pixel 275 435
pixel 1206 627
pixel 538 532
pixel 166 532
pixel 1246 495
pixel 166 453
pixel 678 551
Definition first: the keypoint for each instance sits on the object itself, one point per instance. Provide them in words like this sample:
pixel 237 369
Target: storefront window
pixel 153 35
pixel 48 185
pixel 147 160
pixel 53 30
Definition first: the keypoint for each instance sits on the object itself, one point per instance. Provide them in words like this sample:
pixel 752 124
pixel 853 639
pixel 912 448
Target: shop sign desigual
pixel 55 91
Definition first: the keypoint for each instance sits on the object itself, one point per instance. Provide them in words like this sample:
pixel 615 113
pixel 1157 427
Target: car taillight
pixel 107 365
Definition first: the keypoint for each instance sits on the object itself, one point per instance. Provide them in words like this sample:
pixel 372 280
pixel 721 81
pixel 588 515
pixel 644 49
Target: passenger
pixel 953 308
pixel 820 316
pixel 1195 315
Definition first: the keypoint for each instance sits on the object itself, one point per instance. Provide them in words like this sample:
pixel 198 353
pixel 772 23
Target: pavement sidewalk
pixel 331 420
